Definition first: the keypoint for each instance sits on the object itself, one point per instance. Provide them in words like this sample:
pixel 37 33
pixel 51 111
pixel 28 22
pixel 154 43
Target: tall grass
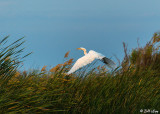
pixel 133 86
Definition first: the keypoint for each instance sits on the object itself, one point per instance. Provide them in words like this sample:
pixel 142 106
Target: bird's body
pixel 88 58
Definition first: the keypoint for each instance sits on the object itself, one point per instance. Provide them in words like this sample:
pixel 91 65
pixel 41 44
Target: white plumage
pixel 88 58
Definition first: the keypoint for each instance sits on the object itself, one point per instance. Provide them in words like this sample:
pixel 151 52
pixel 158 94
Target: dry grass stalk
pixel 56 68
pixel 7 58
pixel 156 38
pixel 17 74
pixel 44 68
pixel 24 72
pixel 66 55
pixel 98 67
pixel 69 62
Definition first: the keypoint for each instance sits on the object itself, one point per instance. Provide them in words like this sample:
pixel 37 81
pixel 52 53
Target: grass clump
pixel 133 86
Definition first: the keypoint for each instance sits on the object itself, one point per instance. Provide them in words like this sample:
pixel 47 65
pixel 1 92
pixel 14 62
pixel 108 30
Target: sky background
pixel 53 27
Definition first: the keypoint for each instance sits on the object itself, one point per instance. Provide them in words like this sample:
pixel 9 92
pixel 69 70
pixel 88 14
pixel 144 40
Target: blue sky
pixel 53 27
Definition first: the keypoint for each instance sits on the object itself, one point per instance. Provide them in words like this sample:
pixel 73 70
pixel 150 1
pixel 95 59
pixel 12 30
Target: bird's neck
pixel 85 52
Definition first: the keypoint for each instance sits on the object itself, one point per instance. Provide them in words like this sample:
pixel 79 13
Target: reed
pixel 133 87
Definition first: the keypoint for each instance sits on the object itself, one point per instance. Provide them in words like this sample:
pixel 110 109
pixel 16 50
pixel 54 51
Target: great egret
pixel 88 58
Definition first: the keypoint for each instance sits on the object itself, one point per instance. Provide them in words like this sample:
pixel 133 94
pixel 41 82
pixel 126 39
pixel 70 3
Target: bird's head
pixel 81 48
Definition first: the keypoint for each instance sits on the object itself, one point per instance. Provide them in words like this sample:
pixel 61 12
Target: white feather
pixel 83 61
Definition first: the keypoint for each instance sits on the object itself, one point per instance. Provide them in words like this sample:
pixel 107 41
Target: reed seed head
pixel 66 55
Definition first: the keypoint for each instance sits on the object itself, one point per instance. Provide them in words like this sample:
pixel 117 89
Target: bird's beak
pixel 79 48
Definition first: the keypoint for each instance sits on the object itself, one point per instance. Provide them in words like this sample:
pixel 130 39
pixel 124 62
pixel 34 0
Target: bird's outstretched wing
pixel 83 61
pixel 88 58
pixel 109 62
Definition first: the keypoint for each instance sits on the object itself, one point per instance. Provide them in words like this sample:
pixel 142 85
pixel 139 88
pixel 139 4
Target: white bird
pixel 88 58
